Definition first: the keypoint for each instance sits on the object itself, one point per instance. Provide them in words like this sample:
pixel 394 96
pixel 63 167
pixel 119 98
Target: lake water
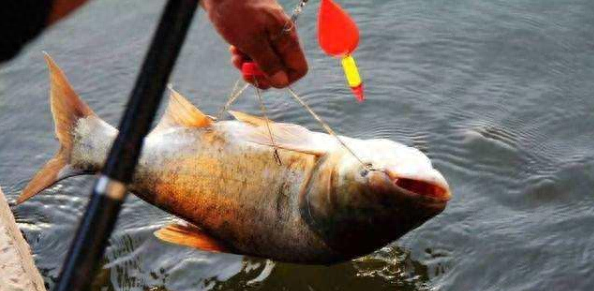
pixel 498 93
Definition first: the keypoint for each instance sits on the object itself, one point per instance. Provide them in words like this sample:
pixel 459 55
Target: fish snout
pixel 427 186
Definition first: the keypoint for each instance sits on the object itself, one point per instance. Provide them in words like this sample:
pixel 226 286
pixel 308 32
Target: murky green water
pixel 498 93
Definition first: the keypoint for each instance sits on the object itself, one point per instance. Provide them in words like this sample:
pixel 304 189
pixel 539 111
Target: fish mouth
pixel 431 189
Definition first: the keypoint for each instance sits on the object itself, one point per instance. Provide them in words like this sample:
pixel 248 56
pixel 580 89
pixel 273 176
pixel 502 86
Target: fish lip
pixel 438 199
pixel 428 201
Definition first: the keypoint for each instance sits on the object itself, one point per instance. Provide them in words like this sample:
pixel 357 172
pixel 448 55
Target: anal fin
pixel 190 236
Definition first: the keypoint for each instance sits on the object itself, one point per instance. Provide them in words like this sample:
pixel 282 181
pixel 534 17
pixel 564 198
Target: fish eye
pixel 364 172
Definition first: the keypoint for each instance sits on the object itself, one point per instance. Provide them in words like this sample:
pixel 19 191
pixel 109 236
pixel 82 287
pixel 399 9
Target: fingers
pixel 260 82
pixel 269 63
pixel 238 58
pixel 288 49
pixel 276 51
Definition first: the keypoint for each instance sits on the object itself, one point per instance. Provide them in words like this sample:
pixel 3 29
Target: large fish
pixel 320 205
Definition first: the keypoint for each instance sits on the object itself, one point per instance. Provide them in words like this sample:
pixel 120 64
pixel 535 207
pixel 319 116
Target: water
pixel 497 93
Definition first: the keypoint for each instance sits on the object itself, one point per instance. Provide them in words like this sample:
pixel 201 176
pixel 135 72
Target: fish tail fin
pixel 67 108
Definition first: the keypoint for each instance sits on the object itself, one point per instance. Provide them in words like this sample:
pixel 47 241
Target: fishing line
pixel 232 98
pixel 234 95
pixel 263 109
pixel 296 12
pixel 326 127
pixel 289 25
pixel 235 86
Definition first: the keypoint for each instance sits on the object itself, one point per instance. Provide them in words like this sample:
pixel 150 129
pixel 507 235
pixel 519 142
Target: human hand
pixel 254 28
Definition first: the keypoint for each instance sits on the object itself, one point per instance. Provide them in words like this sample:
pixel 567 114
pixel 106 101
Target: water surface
pixel 497 93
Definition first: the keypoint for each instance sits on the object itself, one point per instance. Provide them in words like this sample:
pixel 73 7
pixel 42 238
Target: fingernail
pixel 280 78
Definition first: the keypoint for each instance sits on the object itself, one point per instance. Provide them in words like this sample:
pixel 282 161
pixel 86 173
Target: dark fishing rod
pixel 109 191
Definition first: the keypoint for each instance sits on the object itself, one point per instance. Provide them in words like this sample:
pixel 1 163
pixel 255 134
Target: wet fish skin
pixel 321 206
pixel 229 196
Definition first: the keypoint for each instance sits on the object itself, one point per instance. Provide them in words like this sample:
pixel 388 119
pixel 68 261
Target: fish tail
pixel 67 108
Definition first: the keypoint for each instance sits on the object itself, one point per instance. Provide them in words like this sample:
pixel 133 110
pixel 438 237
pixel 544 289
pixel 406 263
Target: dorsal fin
pixel 247 118
pixel 180 112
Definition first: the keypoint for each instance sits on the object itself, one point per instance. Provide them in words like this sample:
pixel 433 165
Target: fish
pixel 320 205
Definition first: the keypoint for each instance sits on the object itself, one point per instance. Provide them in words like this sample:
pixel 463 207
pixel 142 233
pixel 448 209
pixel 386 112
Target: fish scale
pixel 321 205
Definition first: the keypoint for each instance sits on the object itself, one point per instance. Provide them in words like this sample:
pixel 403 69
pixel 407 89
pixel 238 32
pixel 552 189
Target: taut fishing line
pixel 263 109
pixel 237 91
pixel 232 97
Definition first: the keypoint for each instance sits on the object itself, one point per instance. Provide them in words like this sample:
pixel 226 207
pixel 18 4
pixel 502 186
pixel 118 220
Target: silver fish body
pixel 321 205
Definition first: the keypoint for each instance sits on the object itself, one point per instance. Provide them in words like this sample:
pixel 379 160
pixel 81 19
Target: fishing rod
pixel 110 189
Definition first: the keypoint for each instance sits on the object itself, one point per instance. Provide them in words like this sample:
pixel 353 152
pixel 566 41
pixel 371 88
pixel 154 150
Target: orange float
pixel 338 36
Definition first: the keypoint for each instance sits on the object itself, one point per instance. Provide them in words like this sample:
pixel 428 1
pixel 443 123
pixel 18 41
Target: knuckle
pixel 272 68
pixel 298 74
pixel 284 43
pixel 276 10
pixel 254 46
pixel 277 86
pixel 287 43
pixel 303 71
pixel 268 64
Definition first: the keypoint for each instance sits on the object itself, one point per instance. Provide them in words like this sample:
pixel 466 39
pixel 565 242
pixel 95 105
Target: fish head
pixel 390 174
pixel 368 201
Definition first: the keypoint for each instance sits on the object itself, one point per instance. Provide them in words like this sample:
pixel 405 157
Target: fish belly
pixel 234 190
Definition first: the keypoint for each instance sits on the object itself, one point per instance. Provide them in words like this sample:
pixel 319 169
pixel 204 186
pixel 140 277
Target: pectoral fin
pixel 190 236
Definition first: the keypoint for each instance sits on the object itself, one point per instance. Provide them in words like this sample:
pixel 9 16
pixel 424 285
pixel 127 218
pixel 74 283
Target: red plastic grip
pixel 250 70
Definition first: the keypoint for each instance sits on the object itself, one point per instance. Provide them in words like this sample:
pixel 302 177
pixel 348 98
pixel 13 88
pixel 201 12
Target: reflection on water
pixel 497 93
pixel 136 264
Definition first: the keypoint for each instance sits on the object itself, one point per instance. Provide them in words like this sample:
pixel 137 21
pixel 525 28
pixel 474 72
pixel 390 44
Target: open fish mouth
pixel 432 190
pixel 424 188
